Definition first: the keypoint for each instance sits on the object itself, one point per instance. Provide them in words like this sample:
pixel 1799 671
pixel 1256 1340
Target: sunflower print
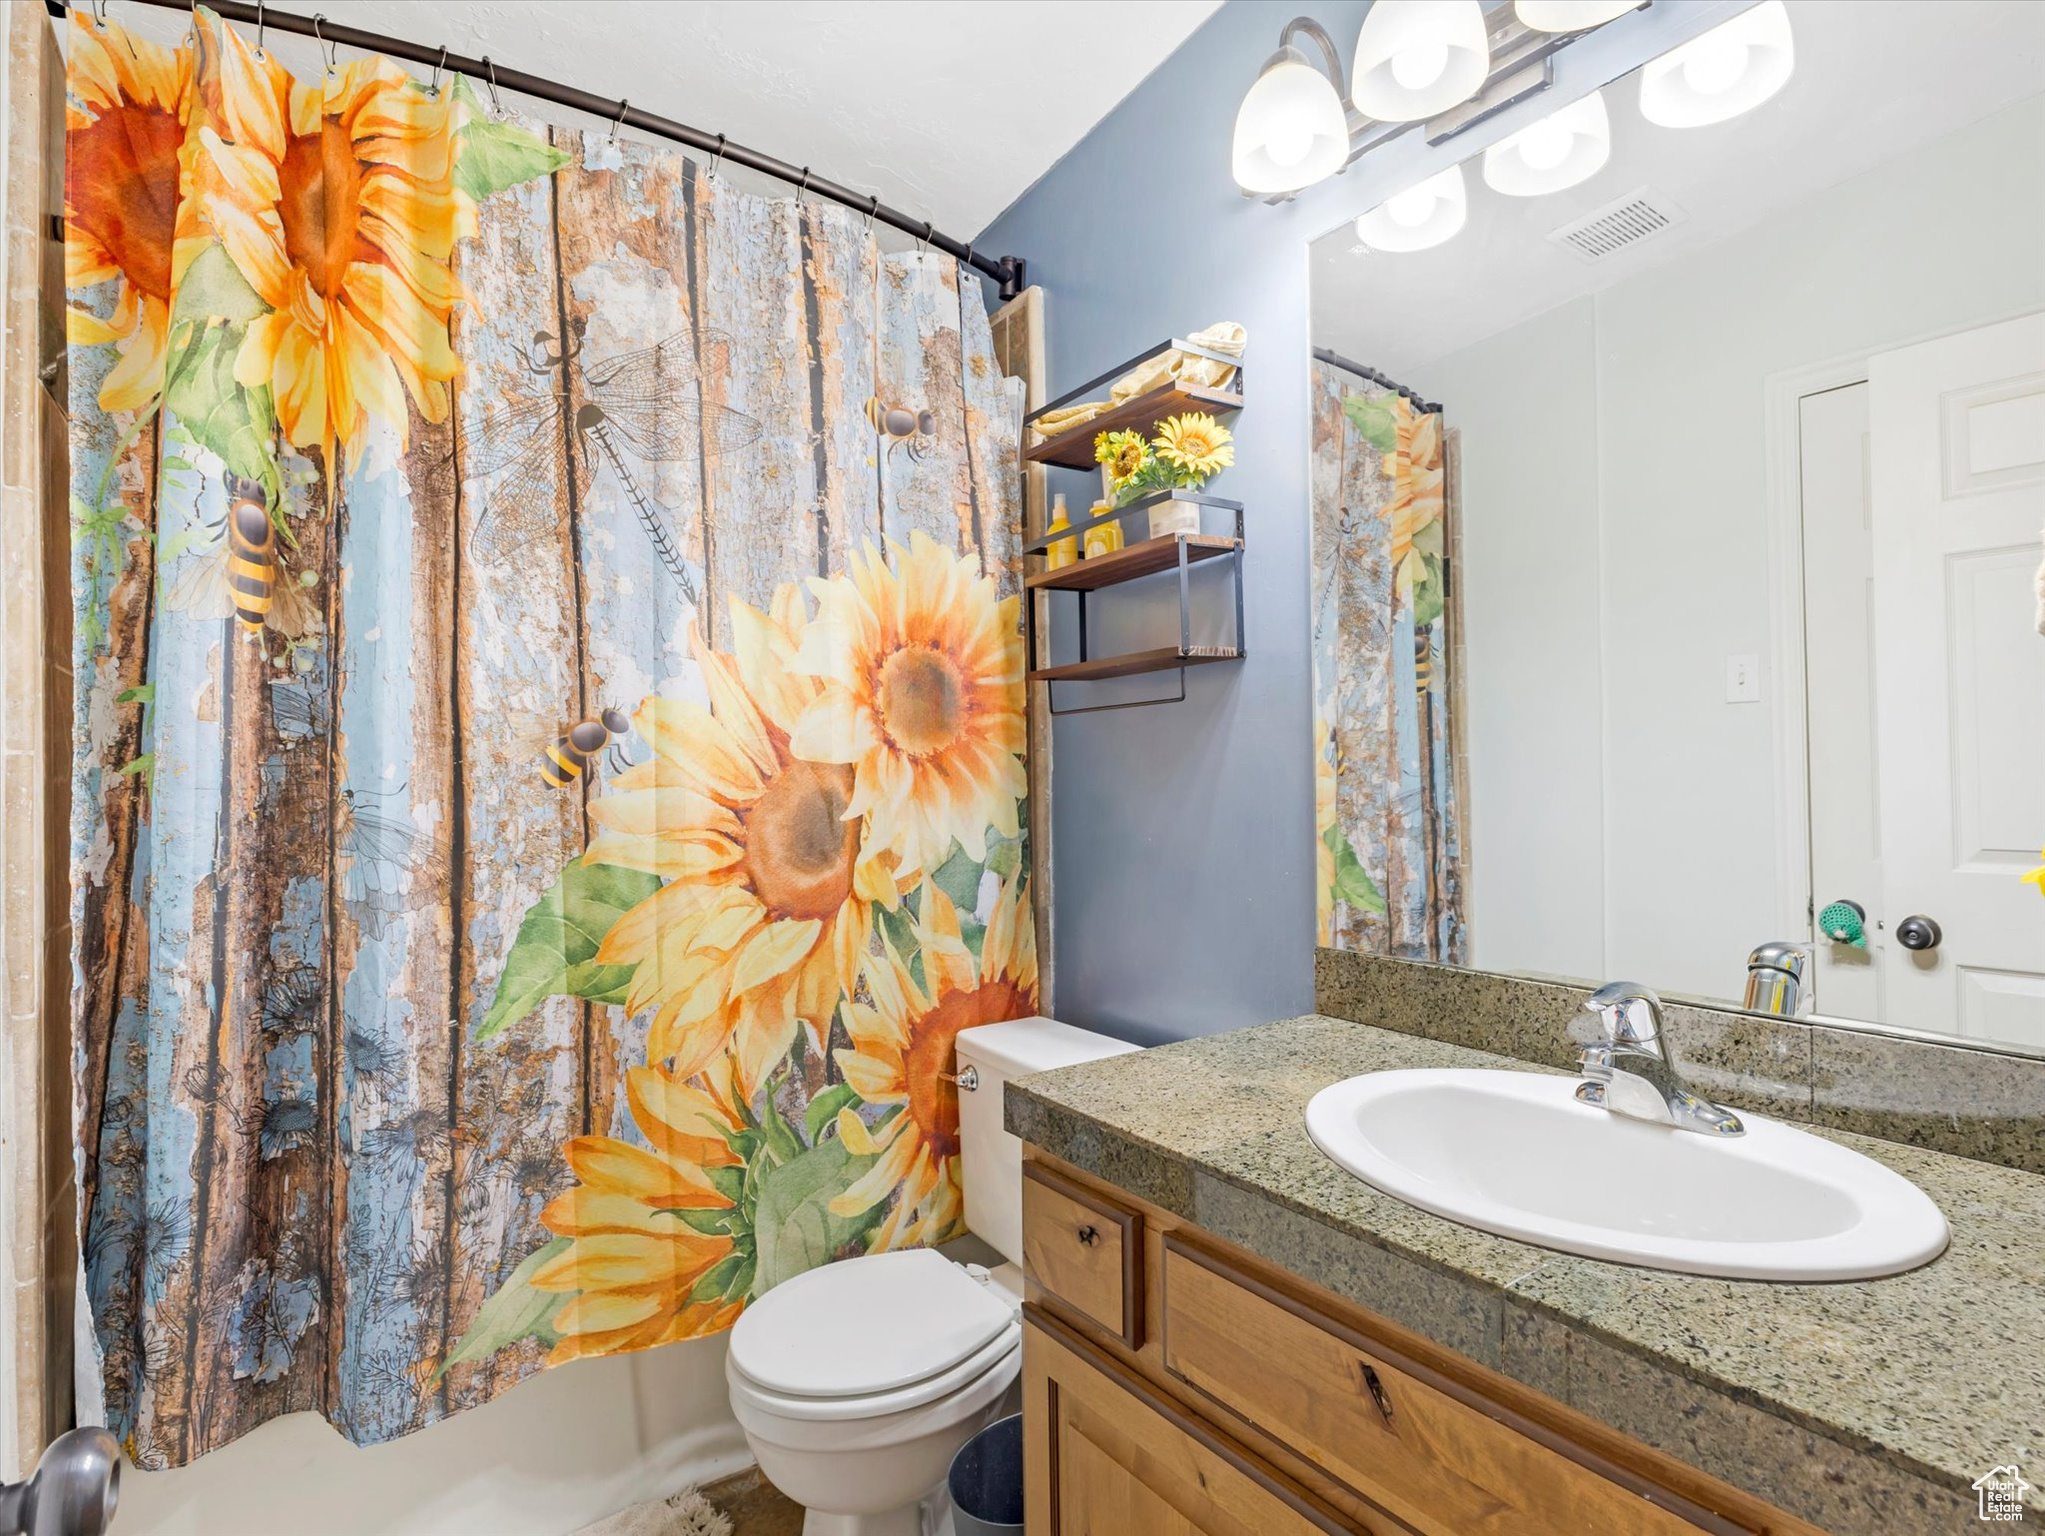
pixel 128 213
pixel 336 201
pixel 770 880
pixel 633 1259
pixel 903 1050
pixel 920 673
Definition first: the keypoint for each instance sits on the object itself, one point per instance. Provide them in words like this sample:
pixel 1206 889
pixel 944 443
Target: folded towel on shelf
pixel 1185 367
pixel 1225 336
pixel 1051 423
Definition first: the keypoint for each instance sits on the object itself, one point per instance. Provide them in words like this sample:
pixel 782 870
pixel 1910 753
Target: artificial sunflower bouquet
pixel 1187 452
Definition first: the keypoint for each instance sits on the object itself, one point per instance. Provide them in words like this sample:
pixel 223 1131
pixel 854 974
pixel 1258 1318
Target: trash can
pixel 987 1481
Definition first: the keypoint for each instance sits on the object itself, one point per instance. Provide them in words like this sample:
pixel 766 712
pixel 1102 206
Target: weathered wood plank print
pixel 550 743
pixel 1390 856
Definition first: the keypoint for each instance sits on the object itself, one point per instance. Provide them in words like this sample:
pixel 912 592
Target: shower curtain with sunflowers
pixel 550 738
pixel 1387 788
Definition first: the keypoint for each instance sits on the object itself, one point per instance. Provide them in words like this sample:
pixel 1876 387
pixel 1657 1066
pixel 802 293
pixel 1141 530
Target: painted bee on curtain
pixel 569 757
pixel 644 407
pixel 903 428
pixel 243 571
pixel 391 868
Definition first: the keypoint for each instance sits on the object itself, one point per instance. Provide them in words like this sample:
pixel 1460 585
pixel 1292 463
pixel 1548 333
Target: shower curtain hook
pixel 329 52
pixel 99 14
pixel 433 89
pixel 623 106
pixel 929 229
pixel 802 186
pixel 717 164
pixel 261 25
pixel 966 260
pixel 872 208
pixel 496 102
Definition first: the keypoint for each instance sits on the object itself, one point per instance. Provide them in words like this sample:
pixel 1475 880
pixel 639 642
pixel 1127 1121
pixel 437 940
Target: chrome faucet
pixel 1627 1069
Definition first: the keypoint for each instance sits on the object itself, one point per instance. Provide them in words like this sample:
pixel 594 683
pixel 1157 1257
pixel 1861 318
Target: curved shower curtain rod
pixel 1363 370
pixel 1009 271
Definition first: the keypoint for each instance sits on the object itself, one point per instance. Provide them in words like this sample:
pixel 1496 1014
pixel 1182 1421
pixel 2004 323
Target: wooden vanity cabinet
pixel 1175 1385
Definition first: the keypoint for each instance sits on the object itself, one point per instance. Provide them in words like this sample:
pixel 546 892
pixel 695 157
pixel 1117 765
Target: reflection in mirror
pixel 1677 485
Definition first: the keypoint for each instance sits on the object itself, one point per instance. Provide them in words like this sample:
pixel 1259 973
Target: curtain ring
pixel 330 52
pixel 261 25
pixel 623 107
pixel 433 89
pixel 496 102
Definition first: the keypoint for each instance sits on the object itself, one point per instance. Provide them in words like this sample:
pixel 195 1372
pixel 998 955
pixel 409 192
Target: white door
pixel 1957 456
pixel 1839 676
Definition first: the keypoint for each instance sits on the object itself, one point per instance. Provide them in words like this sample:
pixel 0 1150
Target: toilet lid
pixel 867 1325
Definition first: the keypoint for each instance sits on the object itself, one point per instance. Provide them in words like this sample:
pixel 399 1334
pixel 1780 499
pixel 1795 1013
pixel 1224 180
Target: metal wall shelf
pixel 1150 556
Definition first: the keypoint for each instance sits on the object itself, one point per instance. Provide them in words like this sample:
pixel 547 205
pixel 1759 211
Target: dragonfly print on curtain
pixel 549 773
pixel 1387 788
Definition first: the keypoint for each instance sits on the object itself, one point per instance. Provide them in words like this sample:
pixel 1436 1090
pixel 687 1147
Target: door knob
pixel 1918 933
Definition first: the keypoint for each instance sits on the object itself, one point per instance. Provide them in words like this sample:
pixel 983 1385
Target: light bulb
pixel 1417 58
pixel 1418 217
pixel 1412 208
pixel 1289 143
pixel 1731 69
pixel 1290 131
pixel 1714 65
pixel 1568 146
pixel 1419 66
pixel 1547 144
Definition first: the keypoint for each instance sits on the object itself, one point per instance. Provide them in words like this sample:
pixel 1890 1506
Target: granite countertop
pixel 1863 1407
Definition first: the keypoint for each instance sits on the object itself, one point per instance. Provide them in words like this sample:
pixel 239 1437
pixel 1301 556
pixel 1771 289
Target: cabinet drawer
pixel 1106 1455
pixel 1084 1250
pixel 1430 1450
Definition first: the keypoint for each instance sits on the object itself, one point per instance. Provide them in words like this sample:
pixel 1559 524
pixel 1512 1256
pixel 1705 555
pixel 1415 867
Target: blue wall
pixel 1182 836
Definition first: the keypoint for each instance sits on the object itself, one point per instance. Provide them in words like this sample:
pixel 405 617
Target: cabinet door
pixel 1106 1455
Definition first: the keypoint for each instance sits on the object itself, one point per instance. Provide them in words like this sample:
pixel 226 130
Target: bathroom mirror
pixel 1676 535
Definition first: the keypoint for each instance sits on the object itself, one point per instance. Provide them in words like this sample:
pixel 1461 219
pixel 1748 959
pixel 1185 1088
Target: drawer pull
pixel 1088 1236
pixel 1378 1394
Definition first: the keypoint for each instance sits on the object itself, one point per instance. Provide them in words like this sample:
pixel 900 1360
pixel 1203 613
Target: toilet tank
pixel 991 1158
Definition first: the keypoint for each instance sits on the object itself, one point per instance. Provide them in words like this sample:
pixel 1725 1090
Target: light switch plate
pixel 1743 679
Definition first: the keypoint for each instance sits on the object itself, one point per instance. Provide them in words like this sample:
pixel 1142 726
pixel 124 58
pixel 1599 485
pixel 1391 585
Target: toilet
pixel 856 1383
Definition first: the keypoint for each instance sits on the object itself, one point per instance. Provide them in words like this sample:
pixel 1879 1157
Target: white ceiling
pixel 948 111
pixel 1872 82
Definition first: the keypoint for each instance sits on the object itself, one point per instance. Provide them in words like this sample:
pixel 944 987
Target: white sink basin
pixel 1515 1153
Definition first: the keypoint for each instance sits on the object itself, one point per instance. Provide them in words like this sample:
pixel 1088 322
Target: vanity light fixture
pixel 1419 217
pixel 1292 129
pixel 1568 146
pixel 1438 67
pixel 1570 15
pixel 1731 69
pixel 1416 58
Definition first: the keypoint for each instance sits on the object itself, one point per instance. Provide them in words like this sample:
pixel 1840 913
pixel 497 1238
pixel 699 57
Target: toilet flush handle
pixel 968 1079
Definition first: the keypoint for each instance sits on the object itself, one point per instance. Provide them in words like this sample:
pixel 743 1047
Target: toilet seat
pixel 884 1327
pixel 988 1360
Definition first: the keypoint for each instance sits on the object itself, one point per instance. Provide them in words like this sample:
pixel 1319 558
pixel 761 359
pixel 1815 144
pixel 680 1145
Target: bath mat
pixel 686 1513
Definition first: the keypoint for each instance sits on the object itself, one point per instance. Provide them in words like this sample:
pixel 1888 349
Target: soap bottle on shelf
pixel 1103 538
pixel 1066 551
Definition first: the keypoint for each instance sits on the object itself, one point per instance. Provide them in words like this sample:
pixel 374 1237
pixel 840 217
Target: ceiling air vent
pixel 1626 221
